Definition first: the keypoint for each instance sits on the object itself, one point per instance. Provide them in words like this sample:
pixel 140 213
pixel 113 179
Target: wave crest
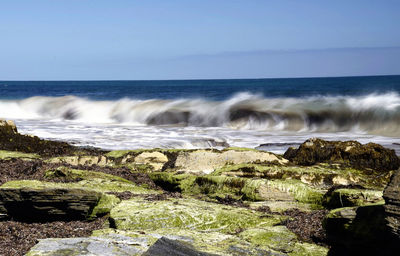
pixel 372 113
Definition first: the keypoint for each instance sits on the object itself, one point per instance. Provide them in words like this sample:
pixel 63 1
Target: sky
pixel 197 39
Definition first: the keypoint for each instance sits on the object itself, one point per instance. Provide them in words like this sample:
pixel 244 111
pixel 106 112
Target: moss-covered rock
pixel 210 227
pixel 98 181
pixel 321 176
pixel 239 188
pixel 139 214
pixel 4 155
pixel 346 197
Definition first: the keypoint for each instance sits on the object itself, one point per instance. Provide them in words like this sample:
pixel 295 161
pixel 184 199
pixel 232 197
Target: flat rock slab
pixel 165 246
pixel 203 161
pixel 29 204
pixel 94 246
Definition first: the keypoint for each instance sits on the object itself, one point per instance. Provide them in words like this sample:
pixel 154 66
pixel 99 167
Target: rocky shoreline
pixel 322 198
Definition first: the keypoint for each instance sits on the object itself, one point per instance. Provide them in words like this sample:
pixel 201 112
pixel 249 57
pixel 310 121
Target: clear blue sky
pixel 187 39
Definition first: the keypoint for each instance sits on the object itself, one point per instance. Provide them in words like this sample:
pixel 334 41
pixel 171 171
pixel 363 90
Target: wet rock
pixel 42 205
pixel 165 246
pixel 349 153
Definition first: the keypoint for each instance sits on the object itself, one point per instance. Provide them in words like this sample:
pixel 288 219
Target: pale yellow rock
pixel 83 160
pixel 155 159
pixel 10 124
pixel 338 180
pixel 206 162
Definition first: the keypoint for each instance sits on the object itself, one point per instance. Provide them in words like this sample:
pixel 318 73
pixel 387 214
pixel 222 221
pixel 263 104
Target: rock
pixel 349 153
pixel 367 230
pixel 154 159
pixel 346 196
pixel 238 188
pixel 93 246
pixel 165 246
pixel 11 140
pixel 211 228
pixel 80 160
pixel 392 207
pixel 205 161
pixel 38 205
pixel 8 126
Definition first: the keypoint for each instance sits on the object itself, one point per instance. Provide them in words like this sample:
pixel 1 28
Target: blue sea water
pixel 270 114
pixel 208 89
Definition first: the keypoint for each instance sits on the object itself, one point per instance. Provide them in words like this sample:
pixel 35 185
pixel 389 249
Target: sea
pixel 267 114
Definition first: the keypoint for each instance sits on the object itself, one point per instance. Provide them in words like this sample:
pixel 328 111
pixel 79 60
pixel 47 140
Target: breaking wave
pixel 372 113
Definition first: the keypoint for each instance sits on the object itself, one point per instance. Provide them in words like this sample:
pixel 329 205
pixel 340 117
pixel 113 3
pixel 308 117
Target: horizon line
pixel 199 79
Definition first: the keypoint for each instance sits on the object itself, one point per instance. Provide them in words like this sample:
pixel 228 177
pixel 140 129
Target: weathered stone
pixel 350 153
pixel 29 204
pixel 115 245
pixel 203 161
pixel 8 126
pixel 165 246
pixel 80 160
pixel 211 228
pixel 154 159
pixel 346 197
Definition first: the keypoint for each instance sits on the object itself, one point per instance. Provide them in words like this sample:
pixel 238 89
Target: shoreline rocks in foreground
pixel 323 198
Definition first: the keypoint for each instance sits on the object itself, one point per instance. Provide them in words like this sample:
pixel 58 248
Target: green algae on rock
pixel 4 154
pixel 98 181
pixel 186 214
pixel 346 197
pixel 239 188
pixel 202 221
pixel 319 175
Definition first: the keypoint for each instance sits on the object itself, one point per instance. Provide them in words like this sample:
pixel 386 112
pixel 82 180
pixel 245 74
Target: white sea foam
pixel 246 120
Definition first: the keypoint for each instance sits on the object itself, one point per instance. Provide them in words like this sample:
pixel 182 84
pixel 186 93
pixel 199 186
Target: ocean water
pixel 269 114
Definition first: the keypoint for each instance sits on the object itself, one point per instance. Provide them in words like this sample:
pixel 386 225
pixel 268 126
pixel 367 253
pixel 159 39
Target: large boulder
pixel 349 153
